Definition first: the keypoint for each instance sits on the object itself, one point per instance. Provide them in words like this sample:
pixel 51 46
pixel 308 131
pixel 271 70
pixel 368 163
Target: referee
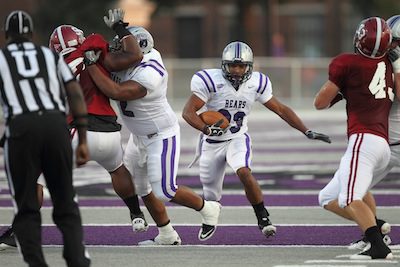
pixel 32 82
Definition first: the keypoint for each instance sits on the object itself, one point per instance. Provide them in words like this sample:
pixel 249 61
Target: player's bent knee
pixel 163 197
pixel 324 199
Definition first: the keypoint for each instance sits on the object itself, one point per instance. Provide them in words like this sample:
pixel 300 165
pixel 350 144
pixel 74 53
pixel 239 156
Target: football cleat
pixel 210 214
pixel 139 223
pixel 172 239
pixel 265 224
pixel 7 240
pixel 363 242
pixel 372 253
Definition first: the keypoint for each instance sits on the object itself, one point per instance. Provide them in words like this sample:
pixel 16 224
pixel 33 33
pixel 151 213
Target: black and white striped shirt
pixel 32 79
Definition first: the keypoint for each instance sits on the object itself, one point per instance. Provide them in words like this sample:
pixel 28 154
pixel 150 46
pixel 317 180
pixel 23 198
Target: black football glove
pixel 394 56
pixel 91 57
pixel 317 136
pixel 215 129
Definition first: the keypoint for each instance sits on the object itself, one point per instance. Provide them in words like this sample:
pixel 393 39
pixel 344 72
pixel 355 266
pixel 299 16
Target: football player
pixel 394 143
pixel 364 79
pixel 145 111
pixel 233 90
pixel 103 133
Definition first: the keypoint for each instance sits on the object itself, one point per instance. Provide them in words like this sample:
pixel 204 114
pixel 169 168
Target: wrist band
pixel 119 28
pixel 205 129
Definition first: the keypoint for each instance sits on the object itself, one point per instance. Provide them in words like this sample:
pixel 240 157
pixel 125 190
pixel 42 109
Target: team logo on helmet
pixel 65 39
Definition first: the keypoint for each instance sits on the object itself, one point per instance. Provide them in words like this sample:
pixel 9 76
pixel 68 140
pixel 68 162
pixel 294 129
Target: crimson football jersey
pixel 367 86
pixel 97 103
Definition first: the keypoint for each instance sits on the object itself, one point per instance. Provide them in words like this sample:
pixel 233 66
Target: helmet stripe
pixel 378 36
pixel 237 54
pixel 20 22
pixel 61 38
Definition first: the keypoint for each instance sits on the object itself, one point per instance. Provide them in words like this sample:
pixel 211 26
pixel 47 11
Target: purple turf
pixel 225 235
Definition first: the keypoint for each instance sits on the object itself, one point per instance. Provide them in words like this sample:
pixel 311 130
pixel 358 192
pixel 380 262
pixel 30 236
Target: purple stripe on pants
pixel 164 168
pixel 172 178
pixel 248 150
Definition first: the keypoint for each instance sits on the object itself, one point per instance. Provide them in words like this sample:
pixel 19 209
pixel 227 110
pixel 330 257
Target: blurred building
pixel 305 28
pixel 202 28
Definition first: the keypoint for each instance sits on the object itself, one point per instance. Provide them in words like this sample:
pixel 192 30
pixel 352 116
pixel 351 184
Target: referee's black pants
pixel 40 142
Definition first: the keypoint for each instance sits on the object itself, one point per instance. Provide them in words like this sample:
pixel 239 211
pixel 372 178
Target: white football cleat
pixel 171 239
pixel 210 215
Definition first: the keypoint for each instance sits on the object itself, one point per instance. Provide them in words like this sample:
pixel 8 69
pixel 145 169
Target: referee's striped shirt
pixel 32 79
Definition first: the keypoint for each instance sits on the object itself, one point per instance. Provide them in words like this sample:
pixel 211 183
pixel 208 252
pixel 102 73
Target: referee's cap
pixel 18 22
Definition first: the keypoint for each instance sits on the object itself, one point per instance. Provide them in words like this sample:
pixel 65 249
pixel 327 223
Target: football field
pixel 290 169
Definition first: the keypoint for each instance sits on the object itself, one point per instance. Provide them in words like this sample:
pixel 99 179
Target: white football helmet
pixel 239 53
pixel 394 24
pixel 144 38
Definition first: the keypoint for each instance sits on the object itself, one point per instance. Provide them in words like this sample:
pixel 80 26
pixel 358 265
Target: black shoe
pixel 7 240
pixel 206 232
pixel 265 224
pixel 373 252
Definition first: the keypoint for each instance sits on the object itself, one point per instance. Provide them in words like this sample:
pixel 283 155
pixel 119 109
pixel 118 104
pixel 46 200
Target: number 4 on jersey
pixel 378 83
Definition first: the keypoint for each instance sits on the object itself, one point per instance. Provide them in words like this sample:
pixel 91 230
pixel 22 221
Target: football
pixel 210 117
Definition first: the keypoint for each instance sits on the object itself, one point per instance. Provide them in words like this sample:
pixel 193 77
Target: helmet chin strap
pixel 235 83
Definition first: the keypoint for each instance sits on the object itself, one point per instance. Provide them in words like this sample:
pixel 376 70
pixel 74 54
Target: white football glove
pixel 114 16
pixel 215 129
pixel 91 57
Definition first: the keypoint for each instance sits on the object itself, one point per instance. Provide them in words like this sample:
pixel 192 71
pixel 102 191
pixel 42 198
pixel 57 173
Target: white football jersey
pixel 151 114
pixel 219 95
pixel 394 122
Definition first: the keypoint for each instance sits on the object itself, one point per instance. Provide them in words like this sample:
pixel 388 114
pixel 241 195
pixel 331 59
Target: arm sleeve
pixel 336 72
pixel 264 89
pixel 199 87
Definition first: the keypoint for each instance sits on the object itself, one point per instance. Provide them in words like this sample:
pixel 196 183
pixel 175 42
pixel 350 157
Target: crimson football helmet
pixel 65 39
pixel 373 38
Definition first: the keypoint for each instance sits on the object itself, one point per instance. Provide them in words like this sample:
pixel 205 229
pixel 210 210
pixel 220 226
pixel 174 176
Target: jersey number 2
pixel 378 83
pixel 126 112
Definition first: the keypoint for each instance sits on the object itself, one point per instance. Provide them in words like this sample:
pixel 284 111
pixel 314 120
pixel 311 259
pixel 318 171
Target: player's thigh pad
pixel 212 165
pixel 105 148
pixel 239 152
pixel 162 166
pixel 394 161
pixel 135 162
pixel 330 191
pixel 365 153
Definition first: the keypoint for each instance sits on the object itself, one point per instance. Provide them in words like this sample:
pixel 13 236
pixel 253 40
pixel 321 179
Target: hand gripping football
pixel 211 117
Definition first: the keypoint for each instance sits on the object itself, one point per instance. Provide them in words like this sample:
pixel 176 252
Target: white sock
pixel 166 229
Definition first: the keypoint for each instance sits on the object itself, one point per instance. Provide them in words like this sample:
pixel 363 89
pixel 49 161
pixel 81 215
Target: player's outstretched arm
pixel 288 115
pixel 129 90
pixel 130 54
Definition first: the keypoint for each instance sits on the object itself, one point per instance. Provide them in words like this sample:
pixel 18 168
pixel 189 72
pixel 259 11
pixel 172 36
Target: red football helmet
pixel 373 38
pixel 65 39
